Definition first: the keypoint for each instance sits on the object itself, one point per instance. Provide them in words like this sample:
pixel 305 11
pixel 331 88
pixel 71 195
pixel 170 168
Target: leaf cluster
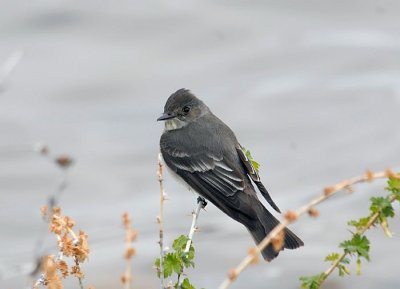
pixel 358 246
pixel 176 261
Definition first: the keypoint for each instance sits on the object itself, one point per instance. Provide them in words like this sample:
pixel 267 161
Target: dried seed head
pixel 278 241
pixel 313 212
pixel 44 210
pixel 126 221
pixel 64 161
pixel 57 211
pixel 291 216
pixel 254 253
pixel 76 271
pixel 49 267
pixel 129 253
pixel 390 174
pixel 62 266
pixel 328 190
pixel 125 279
pixel 232 275
pixel 370 175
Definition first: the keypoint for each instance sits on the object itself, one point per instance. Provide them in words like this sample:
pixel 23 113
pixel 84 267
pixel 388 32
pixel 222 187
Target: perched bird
pixel 203 152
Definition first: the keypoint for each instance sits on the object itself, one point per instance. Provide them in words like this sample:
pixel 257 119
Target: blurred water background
pixel 311 87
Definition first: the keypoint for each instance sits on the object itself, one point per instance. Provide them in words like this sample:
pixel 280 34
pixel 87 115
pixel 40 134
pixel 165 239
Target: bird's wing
pixel 207 167
pixel 252 172
pixel 213 176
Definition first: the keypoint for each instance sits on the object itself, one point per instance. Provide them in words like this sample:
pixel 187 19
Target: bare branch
pixel 9 65
pixel 201 203
pixel 160 219
pixel 130 236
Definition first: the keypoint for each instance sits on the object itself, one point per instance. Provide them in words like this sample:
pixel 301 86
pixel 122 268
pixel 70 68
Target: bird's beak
pixel 165 116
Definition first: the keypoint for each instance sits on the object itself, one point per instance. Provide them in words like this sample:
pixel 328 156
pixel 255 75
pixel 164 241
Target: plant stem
pixel 160 220
pixel 371 221
pixel 201 204
pixel 292 216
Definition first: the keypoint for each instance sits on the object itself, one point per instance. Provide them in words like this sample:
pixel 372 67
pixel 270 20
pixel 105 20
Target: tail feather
pixel 267 223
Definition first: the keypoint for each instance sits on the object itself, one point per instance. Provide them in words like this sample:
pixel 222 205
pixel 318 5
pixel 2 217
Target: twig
pixel 9 65
pixel 201 204
pixel 130 236
pixel 160 219
pixel 292 216
pixel 63 162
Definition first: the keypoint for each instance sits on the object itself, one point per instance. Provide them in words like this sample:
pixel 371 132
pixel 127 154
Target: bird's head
pixel 181 108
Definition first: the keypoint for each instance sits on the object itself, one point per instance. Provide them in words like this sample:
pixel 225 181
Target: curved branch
pixel 292 216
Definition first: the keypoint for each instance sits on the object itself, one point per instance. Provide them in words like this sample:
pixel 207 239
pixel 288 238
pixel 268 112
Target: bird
pixel 203 152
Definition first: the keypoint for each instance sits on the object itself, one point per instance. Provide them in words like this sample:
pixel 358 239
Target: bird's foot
pixel 202 201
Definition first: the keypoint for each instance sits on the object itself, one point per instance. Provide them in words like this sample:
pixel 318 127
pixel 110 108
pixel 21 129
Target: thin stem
pixel 201 203
pixel 160 220
pixel 9 65
pixel 292 216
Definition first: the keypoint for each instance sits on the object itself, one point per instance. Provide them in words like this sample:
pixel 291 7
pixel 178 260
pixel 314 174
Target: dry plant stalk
pixel 160 219
pixel 63 163
pixel 293 215
pixel 130 236
pixel 70 244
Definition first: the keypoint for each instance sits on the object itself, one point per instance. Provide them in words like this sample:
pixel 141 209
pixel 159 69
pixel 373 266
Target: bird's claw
pixel 202 201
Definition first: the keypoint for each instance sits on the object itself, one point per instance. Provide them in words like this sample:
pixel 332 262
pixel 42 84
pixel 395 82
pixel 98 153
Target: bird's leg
pixel 202 201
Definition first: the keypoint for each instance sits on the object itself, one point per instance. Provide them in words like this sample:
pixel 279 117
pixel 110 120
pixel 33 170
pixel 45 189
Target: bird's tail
pixel 260 230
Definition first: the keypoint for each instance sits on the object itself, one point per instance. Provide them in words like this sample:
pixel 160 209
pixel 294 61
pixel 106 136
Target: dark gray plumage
pixel 204 152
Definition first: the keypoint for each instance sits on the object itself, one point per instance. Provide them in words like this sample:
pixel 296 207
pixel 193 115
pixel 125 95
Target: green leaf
pixel 382 205
pixel 172 263
pixel 179 243
pixel 360 223
pixel 186 284
pixel 252 161
pixel 187 258
pixel 357 245
pixel 312 282
pixel 332 257
pixel 393 185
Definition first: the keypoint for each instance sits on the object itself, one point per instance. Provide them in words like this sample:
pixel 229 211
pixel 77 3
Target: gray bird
pixel 204 152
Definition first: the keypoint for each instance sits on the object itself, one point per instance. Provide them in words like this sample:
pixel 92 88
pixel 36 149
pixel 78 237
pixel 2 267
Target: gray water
pixel 311 87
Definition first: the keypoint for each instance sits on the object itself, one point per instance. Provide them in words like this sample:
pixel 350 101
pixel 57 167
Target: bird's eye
pixel 186 109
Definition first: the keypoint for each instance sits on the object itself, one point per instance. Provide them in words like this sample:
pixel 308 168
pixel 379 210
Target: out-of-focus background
pixel 311 87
